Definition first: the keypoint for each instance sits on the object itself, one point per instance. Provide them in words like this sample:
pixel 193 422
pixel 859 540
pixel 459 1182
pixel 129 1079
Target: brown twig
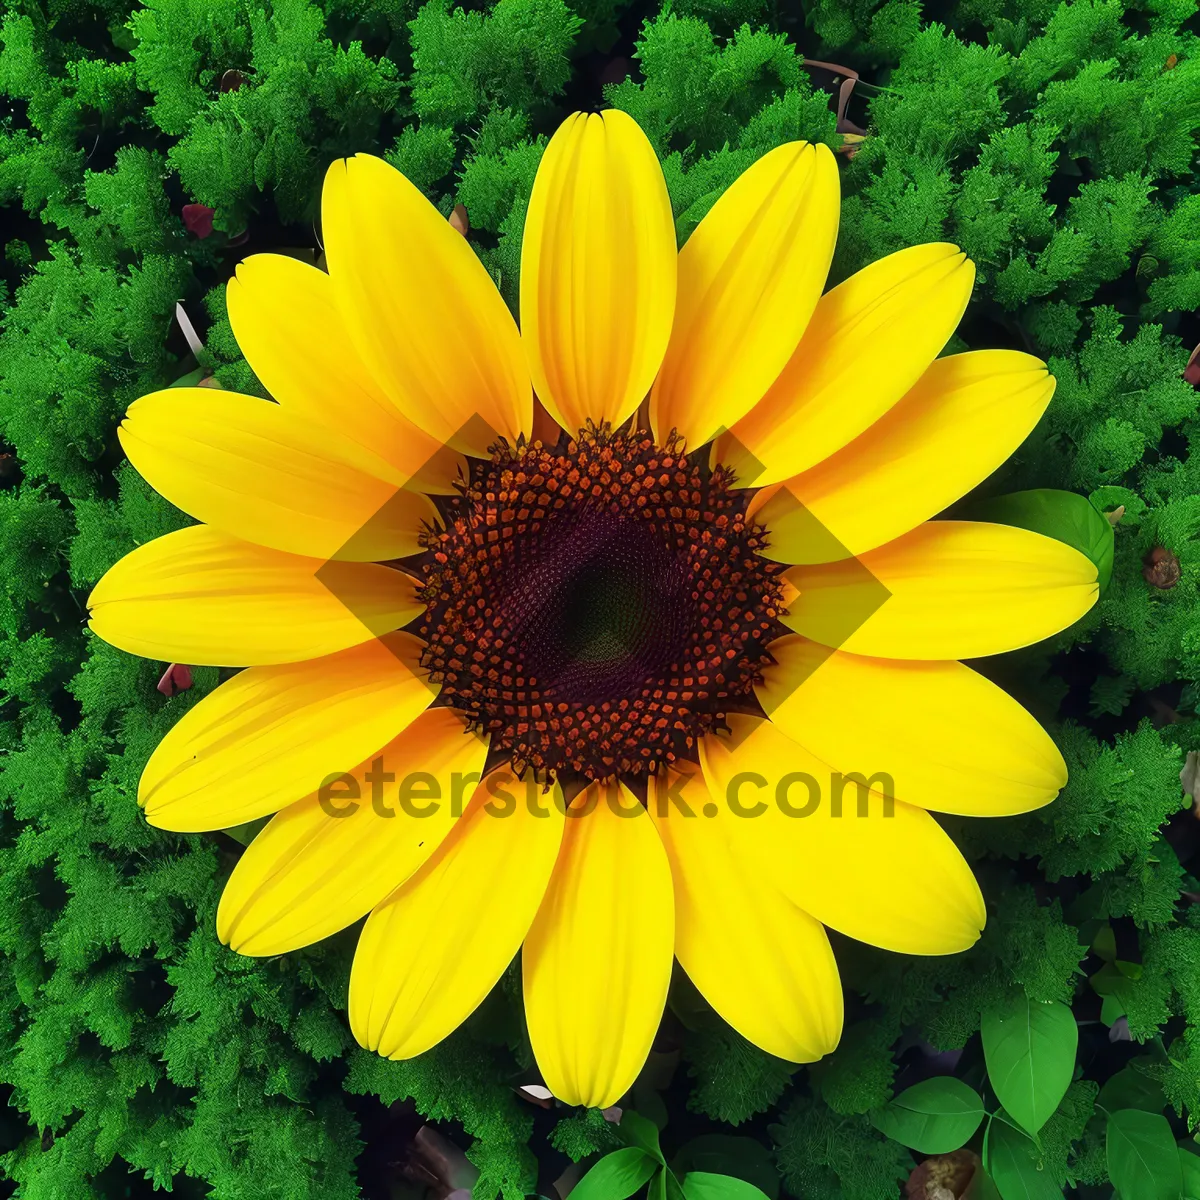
pixel 844 92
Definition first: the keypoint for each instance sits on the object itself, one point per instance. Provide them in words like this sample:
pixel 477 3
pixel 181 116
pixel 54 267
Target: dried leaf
pixel 536 1093
pixel 1192 371
pixel 568 1179
pixel 851 144
pixel 195 345
pixel 198 218
pixel 844 92
pixel 1190 775
pixel 176 678
pixel 443 1163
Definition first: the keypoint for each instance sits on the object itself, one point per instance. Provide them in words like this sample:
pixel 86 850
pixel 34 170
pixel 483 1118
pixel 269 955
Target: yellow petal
pixel 959 589
pixel 948 433
pixel 422 311
pixel 268 475
pixel 869 340
pixel 437 945
pixel 597 270
pixel 271 735
pixel 764 964
pixel 749 278
pixel 597 961
pixel 203 597
pixel 327 860
pixel 949 739
pixel 839 851
pixel 289 328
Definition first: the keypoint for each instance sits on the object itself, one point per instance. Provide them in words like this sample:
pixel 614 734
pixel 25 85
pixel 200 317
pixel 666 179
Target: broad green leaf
pixel 1105 942
pixel 1189 1163
pixel 1129 1088
pixel 646 1102
pixel 664 1186
pixel 1065 516
pixel 616 1176
pixel 635 1130
pixel 1030 1049
pixel 1116 982
pixel 700 1185
pixel 1010 1158
pixel 933 1117
pixel 1112 1009
pixel 191 379
pixel 724 1154
pixel 1143 1160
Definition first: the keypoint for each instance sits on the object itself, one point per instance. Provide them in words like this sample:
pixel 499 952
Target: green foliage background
pixel 1054 142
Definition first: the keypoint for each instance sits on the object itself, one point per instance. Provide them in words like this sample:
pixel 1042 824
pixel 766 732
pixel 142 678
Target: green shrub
pixel 1054 142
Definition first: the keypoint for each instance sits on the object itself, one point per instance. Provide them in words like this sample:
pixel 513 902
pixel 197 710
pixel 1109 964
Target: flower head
pixel 666 668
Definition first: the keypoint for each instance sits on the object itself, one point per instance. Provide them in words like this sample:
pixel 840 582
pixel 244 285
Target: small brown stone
pixel 232 80
pixel 458 219
pixel 1161 568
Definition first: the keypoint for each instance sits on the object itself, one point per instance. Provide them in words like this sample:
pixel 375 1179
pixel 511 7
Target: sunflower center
pixel 601 611
pixel 596 606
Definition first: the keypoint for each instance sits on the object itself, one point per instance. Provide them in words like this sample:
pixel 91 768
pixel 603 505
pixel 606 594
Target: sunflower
pixel 649 621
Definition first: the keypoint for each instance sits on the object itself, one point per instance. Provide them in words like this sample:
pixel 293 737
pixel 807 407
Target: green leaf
pixel 1116 982
pixel 636 1130
pixel 1189 1163
pixel 700 1185
pixel 934 1117
pixel 1129 1088
pixel 1030 1049
pixel 1143 1160
pixel 1112 1009
pixel 1065 516
pixel 645 1100
pixel 723 1154
pixel 1009 1158
pixel 664 1186
pixel 191 379
pixel 616 1176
